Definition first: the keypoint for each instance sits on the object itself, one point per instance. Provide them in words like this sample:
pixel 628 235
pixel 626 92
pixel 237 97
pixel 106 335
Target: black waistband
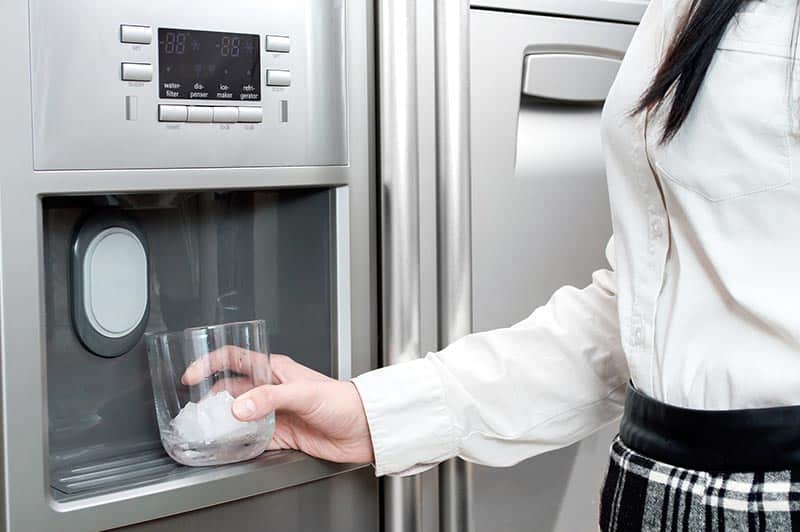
pixel 762 439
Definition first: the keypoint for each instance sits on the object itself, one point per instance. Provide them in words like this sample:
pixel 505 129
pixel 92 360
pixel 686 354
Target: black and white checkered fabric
pixel 643 494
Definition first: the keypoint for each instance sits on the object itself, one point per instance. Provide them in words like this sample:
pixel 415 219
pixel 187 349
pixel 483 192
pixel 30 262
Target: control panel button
pixel 279 78
pixel 172 113
pixel 278 43
pixel 137 72
pixel 199 114
pixel 251 114
pixel 225 114
pixel 135 34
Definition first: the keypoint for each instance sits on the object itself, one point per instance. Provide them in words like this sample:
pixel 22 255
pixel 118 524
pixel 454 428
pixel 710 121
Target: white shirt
pixel 702 307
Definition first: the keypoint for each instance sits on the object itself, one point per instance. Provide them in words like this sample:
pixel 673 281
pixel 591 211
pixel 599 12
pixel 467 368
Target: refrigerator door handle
pixel 569 76
pixel 453 222
pixel 399 207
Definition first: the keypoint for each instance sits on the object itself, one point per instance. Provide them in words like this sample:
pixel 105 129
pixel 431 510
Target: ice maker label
pixel 208 65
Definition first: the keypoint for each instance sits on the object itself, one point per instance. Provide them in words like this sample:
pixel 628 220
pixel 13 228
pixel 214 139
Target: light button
pixel 278 43
pixel 226 115
pixel 199 114
pixel 172 113
pixel 279 78
pixel 135 34
pixel 137 72
pixel 251 114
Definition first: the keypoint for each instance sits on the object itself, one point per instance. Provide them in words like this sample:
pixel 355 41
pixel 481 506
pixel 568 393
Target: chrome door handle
pixel 453 222
pixel 399 200
pixel 569 76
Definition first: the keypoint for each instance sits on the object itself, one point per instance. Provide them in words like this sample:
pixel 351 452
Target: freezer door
pixel 540 220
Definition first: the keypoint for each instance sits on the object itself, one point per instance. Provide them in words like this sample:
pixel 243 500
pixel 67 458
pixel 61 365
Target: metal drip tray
pixel 122 471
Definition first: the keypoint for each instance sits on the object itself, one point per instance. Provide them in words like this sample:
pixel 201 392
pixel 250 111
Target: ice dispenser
pixel 175 262
pixel 177 167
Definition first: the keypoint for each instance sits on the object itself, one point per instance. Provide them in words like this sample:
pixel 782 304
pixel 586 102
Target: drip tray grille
pixel 116 472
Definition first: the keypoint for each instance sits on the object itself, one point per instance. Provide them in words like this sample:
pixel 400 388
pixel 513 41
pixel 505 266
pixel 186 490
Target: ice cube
pixel 211 421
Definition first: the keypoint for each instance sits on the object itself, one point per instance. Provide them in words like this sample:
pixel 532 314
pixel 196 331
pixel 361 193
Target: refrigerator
pixel 367 181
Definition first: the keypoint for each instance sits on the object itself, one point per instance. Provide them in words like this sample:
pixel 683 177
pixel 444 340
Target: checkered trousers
pixel 643 494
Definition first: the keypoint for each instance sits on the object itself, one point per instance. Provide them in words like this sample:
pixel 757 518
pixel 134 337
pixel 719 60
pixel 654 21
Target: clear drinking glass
pixel 196 375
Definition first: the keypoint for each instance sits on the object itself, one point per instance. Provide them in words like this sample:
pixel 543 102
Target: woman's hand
pixel 315 414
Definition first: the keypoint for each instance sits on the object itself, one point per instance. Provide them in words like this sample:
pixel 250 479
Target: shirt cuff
pixel 410 425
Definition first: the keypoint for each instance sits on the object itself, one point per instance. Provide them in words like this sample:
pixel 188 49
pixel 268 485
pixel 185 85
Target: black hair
pixel 686 62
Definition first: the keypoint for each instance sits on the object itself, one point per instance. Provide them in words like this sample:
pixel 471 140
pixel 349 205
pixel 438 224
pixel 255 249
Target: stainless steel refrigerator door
pixel 540 220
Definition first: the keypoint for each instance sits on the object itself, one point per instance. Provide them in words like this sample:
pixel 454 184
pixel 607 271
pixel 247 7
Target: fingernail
pixel 244 409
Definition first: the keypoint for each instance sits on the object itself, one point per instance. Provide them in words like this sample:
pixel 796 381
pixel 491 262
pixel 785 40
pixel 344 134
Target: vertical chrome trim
pixel 344 361
pixel 454 228
pixel 399 202
pixel 402 503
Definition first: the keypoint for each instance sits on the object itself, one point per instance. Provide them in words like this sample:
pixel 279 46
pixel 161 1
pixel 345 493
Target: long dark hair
pixel 687 61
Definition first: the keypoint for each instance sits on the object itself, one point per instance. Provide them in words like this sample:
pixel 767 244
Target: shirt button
pixel 657 227
pixel 638 335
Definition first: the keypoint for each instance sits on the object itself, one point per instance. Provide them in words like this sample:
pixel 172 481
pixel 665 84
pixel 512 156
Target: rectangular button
pixel 172 113
pixel 135 34
pixel 137 72
pixel 279 78
pixel 199 114
pixel 278 43
pixel 251 114
pixel 226 114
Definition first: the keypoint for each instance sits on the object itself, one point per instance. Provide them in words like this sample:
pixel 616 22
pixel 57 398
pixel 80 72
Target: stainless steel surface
pixel 344 341
pixel 454 230
pixel 426 122
pixel 617 10
pixel 397 82
pixel 344 503
pixel 399 179
pixel 402 501
pixel 76 56
pixel 23 298
pixel 540 220
pixel 571 77
pixel 455 497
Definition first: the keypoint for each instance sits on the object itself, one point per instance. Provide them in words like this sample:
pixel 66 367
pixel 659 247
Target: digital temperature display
pixel 208 65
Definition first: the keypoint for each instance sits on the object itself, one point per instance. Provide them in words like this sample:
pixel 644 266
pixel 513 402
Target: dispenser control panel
pixel 177 84
pixel 208 65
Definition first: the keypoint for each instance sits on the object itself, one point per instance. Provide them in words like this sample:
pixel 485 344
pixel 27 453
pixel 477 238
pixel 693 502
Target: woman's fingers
pixel 300 398
pixel 244 362
pixel 286 370
pixel 229 358
pixel 236 386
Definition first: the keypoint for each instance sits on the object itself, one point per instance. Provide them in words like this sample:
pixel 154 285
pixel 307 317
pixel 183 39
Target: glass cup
pixel 196 374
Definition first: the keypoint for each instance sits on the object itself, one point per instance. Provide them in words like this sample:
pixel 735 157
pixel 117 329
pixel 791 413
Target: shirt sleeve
pixel 499 397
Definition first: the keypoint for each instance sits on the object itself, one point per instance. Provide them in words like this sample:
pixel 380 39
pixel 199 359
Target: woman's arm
pixel 493 398
pixel 499 397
